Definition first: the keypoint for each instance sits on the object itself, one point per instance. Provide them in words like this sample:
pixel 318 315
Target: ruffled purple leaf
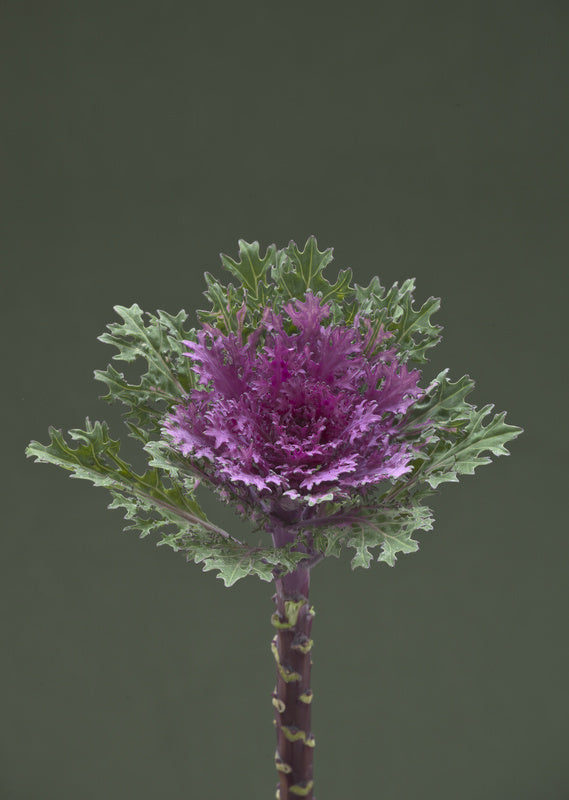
pixel 312 414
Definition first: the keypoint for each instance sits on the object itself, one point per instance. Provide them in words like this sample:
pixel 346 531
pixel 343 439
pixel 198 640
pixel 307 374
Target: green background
pixel 418 139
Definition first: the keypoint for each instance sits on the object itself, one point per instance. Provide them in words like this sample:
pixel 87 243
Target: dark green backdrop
pixel 419 139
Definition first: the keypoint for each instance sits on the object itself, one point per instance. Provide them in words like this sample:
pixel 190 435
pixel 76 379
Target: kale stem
pixel 292 698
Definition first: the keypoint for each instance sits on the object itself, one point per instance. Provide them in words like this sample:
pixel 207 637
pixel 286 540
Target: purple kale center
pixel 307 413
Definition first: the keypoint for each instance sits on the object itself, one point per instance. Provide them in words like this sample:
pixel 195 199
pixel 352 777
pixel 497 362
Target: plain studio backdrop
pixel 423 140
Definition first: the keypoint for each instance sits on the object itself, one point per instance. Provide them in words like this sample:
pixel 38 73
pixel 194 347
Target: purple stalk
pixel 292 697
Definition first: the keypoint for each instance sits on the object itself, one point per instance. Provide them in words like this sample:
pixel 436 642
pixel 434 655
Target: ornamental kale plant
pixel 300 404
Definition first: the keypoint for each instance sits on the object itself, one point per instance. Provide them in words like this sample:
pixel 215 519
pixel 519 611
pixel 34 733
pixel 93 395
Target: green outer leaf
pixel 394 310
pixel 391 528
pixel 234 563
pixel 272 281
pixel 134 339
pixel 96 458
pixel 455 449
pixel 168 377
pixel 251 268
pixel 283 275
pixel 296 271
pixel 412 322
pixel 225 302
pixel 152 506
pixel 461 457
pixel 444 402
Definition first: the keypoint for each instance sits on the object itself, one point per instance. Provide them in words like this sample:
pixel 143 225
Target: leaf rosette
pixel 299 402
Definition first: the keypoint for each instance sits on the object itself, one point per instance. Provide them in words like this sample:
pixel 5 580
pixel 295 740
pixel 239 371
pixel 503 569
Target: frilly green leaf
pixel 411 329
pixel 158 340
pixel 452 437
pixel 391 529
pixel 160 501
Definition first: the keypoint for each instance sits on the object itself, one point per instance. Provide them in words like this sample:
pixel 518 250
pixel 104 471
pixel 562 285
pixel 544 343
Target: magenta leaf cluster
pixel 299 412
